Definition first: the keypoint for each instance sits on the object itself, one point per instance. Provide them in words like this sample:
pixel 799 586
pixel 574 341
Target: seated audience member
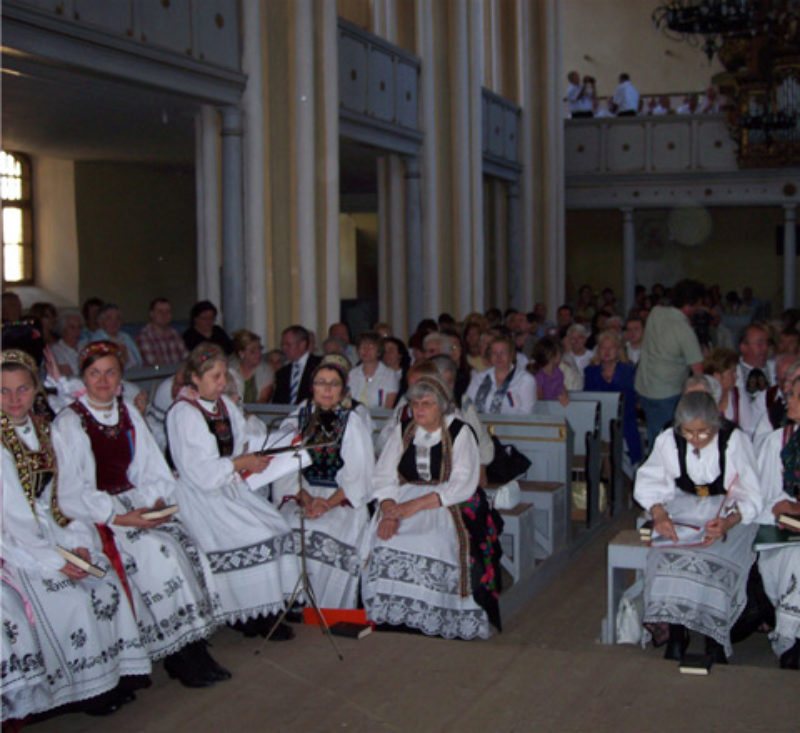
pixel 700 473
pixel 755 372
pixel 397 359
pixel 634 333
pixel 111 472
pixel 334 346
pixel 89 310
pixel 564 317
pixel 293 379
pixel 46 314
pixel 584 307
pixel 625 102
pixel 428 467
pixel 610 372
pixel 342 332
pixel 787 369
pixel 472 344
pixel 383 329
pixel 11 306
pixel 577 336
pixel 789 342
pixel 65 351
pixel 544 367
pixel 779 470
pixel 435 343
pixel 689 105
pixel 251 375
pixel 721 365
pixel 109 320
pixel 77 634
pixel 159 343
pixel 203 328
pixel 372 383
pixel 334 489
pixel 458 355
pixel 503 388
pixel 249 544
pixel 276 359
pixel 721 336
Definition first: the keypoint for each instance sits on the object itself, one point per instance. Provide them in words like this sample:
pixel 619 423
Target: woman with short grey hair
pixel 700 486
pixel 418 574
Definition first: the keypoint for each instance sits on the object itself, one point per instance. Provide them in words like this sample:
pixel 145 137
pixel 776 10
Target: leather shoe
pixel 180 667
pixel 210 666
pixel 101 705
pixel 790 659
pixel 715 651
pixel 678 642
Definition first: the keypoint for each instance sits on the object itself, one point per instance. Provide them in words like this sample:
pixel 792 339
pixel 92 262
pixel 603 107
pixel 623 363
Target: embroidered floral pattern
pixel 105 609
pixel 78 638
pixel 245 557
pixel 329 551
pixel 11 631
pixel 449 623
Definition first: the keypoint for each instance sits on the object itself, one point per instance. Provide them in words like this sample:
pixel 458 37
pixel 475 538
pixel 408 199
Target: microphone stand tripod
pixel 303 584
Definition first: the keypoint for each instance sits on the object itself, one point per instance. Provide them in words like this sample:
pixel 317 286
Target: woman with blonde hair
pixel 252 376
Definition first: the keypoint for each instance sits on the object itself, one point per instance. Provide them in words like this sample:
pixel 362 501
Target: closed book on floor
pixel 698 664
pixel 350 629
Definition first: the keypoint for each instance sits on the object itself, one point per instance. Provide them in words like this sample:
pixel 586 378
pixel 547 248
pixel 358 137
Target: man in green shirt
pixel 669 350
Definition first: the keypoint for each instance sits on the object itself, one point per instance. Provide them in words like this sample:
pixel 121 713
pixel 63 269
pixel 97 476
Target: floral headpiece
pixel 16 356
pixel 98 349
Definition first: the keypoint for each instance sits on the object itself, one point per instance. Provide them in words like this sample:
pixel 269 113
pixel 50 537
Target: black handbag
pixel 508 463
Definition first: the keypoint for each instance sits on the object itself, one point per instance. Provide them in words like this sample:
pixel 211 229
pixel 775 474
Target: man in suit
pixel 293 380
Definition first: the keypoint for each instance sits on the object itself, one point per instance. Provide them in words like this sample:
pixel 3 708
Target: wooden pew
pixel 612 405
pixel 584 417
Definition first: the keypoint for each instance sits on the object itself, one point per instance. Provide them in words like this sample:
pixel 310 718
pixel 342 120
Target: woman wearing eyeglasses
pixel 331 493
pixel 701 489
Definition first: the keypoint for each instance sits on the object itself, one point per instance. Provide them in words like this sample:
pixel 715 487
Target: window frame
pixel 26 204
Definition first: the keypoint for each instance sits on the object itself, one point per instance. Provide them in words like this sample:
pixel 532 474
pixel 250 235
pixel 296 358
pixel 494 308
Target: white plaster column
pixel 514 257
pixel 460 145
pixel 329 165
pixel 384 231
pixel 628 258
pixel 396 283
pixel 498 194
pixel 430 161
pixel 233 277
pixel 304 203
pixel 496 47
pixel 207 142
pixel 256 202
pixel 554 243
pixel 414 284
pixel 789 256
pixel 476 54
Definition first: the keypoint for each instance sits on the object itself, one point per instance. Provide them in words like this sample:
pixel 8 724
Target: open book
pixel 689 535
pixel 283 463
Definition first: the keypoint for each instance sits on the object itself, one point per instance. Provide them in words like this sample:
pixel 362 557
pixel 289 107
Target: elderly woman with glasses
pixel 701 489
pixel 333 491
pixel 418 574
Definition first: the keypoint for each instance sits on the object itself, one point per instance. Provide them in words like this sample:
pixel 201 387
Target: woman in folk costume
pixel 419 572
pixel 114 473
pixel 334 490
pixel 78 630
pixel 248 543
pixel 699 480
pixel 779 469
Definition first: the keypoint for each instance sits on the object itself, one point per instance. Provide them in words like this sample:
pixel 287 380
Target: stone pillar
pixel 789 256
pixel 304 207
pixel 233 273
pixel 415 288
pixel 514 247
pixel 397 258
pixel 628 259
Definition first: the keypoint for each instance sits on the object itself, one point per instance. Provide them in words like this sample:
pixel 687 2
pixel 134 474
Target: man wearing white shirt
pixel 755 373
pixel 626 99
pixel 579 96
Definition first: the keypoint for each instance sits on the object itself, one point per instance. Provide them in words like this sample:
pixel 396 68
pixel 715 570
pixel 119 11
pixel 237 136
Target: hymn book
pixel 790 520
pixel 164 511
pixel 350 629
pixel 79 562
pixel 770 536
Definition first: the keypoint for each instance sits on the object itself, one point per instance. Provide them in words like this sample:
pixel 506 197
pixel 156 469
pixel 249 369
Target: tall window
pixel 15 187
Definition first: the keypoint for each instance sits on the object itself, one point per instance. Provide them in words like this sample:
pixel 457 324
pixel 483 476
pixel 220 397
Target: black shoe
pixel 214 670
pixel 102 705
pixel 715 651
pixel 790 659
pixel 180 666
pixel 282 632
pixel 251 628
pixel 678 642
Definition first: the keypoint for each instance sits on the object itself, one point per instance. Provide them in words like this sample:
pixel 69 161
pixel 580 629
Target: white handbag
pixel 507 496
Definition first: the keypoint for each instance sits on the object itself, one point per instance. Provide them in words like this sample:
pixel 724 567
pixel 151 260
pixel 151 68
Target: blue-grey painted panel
pixel 380 86
pixel 113 16
pixel 406 91
pixel 60 7
pixel 511 133
pixel 216 32
pixel 352 73
pixel 496 127
pixel 485 104
pixel 166 25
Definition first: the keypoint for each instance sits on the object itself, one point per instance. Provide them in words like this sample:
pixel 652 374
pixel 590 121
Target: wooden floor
pixel 546 672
